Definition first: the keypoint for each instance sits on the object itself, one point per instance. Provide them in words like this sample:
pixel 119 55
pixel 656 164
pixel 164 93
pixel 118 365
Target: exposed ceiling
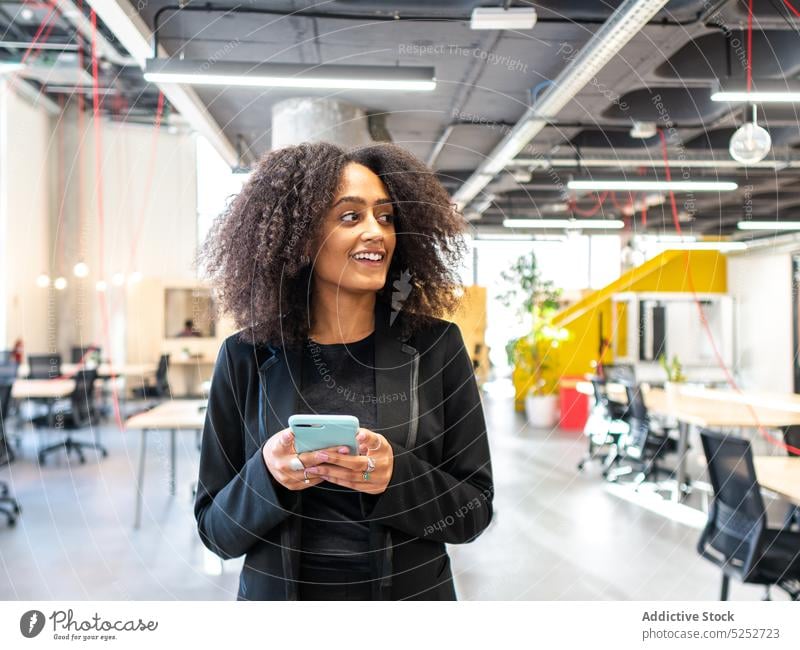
pixel 484 85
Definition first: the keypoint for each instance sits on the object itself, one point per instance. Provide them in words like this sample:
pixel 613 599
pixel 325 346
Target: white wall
pixel 25 250
pixel 42 173
pixel 760 284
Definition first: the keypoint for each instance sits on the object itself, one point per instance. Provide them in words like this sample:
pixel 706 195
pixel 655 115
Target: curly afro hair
pixel 257 251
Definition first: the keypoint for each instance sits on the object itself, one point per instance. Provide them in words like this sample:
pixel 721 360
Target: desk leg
pixel 172 462
pixel 683 445
pixel 140 482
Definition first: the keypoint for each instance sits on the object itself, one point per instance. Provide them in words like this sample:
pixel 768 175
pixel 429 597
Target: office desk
pixel 46 390
pixel 104 370
pixel 174 416
pixel 713 410
pixel 781 474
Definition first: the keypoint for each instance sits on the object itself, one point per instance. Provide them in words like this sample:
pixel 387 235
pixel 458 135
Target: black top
pixel 337 379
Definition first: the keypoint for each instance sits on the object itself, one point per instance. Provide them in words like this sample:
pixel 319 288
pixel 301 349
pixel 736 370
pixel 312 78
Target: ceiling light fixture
pixel 582 224
pixel 500 18
pixel 654 186
pixel 768 225
pixel 289 75
pixel 765 91
pixel 750 143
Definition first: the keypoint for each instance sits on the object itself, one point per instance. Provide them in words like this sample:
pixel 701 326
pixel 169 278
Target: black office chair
pixel 44 366
pixel 791 436
pixel 736 537
pixel 161 386
pixel 81 413
pixel 644 445
pixel 606 424
pixel 78 352
pixel 8 504
pixel 622 373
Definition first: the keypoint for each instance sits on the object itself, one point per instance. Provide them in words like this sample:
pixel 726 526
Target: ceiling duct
pixel 626 21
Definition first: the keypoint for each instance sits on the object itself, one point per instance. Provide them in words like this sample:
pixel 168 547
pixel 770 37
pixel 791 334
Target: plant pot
pixel 542 410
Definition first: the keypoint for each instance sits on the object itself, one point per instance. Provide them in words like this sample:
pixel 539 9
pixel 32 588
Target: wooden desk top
pixel 175 414
pixel 717 411
pixel 781 474
pixel 103 370
pixel 42 388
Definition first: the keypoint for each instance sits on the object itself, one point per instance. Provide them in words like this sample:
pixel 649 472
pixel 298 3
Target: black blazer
pixel 440 491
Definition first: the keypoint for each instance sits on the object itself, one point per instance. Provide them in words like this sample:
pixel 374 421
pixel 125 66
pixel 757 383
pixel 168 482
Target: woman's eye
pixel 389 217
pixel 349 214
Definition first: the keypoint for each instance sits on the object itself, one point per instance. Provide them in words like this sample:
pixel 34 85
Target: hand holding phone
pixel 318 431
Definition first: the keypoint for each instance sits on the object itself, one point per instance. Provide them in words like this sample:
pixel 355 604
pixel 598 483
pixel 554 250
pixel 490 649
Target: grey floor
pixel 558 534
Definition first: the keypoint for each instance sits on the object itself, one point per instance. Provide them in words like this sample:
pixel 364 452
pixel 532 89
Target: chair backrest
pixel 5 402
pixel 638 419
pixel 622 373
pixel 44 366
pixel 82 398
pixel 791 436
pixel 737 516
pixel 8 372
pixel 161 373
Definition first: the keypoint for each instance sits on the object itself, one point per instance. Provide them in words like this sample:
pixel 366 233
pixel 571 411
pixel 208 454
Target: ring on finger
pixel 370 465
pixel 305 476
pixel 296 464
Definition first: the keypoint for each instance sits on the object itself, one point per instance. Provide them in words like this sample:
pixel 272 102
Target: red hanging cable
pixel 703 321
pixel 749 44
pixel 599 199
pixel 39 31
pixel 792 8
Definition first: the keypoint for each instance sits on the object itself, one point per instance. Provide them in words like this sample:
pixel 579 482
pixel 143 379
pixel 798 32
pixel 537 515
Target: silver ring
pixel 296 464
pixel 370 464
pixel 305 476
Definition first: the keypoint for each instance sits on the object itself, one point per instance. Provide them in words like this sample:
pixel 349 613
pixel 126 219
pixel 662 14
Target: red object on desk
pixel 574 404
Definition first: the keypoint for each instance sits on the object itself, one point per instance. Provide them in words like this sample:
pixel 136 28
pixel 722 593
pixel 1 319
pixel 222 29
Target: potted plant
pixel 532 355
pixel 675 376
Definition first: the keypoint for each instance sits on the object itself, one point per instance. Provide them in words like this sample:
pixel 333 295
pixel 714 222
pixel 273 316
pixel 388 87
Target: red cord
pixel 792 8
pixel 592 211
pixel 39 31
pixel 749 44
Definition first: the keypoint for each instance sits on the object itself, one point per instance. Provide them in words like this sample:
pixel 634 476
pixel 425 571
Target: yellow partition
pixel 590 320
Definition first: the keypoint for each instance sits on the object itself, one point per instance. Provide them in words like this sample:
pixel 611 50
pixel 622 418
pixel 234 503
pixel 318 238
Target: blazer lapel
pixel 396 377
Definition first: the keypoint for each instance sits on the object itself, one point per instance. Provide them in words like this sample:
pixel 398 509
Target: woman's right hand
pixel 278 453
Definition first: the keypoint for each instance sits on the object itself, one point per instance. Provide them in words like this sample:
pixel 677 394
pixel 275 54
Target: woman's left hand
pixel 354 471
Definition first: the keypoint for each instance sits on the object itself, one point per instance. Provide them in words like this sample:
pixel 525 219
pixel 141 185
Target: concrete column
pixel 312 119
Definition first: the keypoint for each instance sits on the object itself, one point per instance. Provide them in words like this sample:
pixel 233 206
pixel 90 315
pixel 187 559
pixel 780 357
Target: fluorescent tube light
pixel 499 18
pixel 580 224
pixel 10 66
pixel 520 237
pixel 722 246
pixel 289 75
pixel 656 186
pixel 761 92
pixel 768 225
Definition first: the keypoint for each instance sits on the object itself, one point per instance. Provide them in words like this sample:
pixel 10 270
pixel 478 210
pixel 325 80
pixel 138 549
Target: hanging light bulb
pixel 750 143
pixel 101 285
pixel 43 281
pixel 60 283
pixel 81 269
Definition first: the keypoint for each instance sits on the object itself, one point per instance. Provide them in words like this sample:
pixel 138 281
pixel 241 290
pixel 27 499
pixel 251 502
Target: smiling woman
pixel 337 266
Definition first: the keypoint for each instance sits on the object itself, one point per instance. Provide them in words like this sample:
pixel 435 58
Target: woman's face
pixel 360 220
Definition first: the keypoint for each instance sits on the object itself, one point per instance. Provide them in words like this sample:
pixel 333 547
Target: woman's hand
pixel 279 457
pixel 357 472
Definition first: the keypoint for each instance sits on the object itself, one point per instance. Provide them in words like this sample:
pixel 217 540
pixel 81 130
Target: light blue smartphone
pixel 317 431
